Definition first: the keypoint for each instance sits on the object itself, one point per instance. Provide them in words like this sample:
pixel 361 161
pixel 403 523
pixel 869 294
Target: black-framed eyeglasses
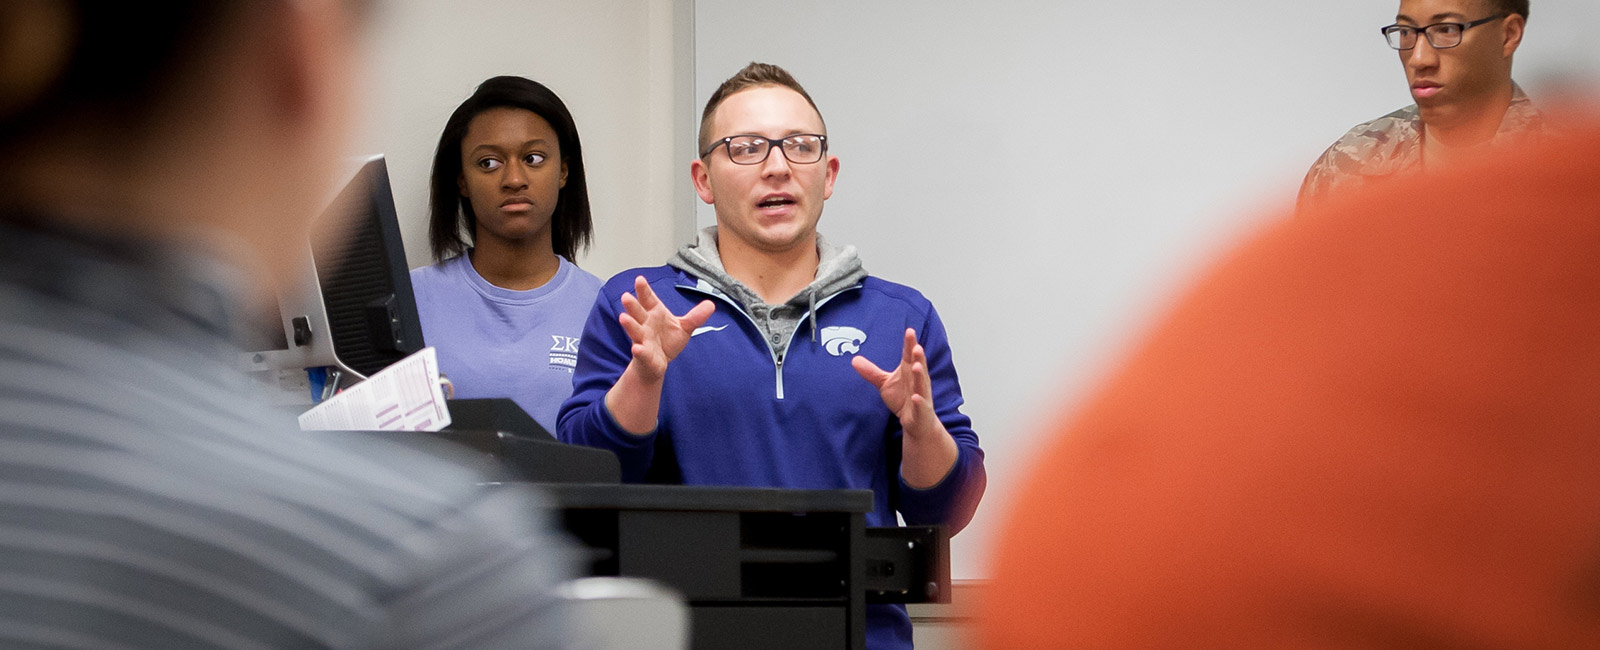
pixel 800 148
pixel 1440 35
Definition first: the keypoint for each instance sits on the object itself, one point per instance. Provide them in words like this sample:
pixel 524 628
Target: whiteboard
pixel 1050 173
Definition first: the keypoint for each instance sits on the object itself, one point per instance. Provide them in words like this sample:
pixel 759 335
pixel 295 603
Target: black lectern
pixel 760 567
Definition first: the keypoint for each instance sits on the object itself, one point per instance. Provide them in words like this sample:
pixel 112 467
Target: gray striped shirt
pixel 147 501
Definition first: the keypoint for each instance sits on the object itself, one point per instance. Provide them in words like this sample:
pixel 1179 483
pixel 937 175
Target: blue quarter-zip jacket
pixel 735 413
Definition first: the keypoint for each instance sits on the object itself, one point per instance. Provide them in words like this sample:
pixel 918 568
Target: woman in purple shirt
pixel 509 209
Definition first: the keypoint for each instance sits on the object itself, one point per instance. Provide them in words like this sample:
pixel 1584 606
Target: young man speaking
pixel 789 365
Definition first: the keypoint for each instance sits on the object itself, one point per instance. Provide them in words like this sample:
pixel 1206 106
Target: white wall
pixel 1049 172
pixel 623 67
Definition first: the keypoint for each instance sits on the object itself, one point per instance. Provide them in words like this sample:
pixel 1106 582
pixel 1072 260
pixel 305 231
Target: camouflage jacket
pixel 1393 143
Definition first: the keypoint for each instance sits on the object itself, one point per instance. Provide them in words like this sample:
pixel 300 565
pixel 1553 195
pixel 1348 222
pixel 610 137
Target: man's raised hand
pixel 927 449
pixel 907 391
pixel 658 335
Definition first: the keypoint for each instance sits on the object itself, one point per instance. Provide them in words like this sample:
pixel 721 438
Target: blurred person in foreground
pixel 157 162
pixel 1456 55
pixel 1371 427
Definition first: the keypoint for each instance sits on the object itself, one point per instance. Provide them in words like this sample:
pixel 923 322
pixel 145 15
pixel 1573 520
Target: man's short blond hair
pixel 752 76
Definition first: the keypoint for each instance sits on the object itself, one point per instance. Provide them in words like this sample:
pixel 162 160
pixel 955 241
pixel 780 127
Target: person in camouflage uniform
pixel 1457 60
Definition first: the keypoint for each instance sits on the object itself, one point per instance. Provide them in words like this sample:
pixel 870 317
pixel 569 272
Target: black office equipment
pixel 766 568
pixel 499 414
pixel 761 568
pixel 351 309
pixel 502 430
pixel 366 287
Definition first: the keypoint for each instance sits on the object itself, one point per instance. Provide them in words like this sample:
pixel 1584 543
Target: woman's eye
pixel 488 164
pixel 533 158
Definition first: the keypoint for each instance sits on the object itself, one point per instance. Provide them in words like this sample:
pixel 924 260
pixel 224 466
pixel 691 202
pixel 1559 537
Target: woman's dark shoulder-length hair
pixel 451 220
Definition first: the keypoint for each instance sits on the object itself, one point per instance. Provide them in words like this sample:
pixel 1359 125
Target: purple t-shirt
pixel 495 342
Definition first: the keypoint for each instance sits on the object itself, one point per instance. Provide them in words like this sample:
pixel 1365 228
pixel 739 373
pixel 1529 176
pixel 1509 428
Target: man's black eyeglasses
pixel 800 148
pixel 1440 35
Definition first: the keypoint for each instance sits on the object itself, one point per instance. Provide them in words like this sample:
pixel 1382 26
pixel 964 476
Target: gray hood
pixel 838 269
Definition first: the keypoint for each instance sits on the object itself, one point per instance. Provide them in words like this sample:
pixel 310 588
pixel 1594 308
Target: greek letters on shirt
pixel 564 354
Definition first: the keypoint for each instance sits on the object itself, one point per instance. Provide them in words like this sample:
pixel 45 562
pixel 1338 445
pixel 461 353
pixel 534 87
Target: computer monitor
pixel 352 311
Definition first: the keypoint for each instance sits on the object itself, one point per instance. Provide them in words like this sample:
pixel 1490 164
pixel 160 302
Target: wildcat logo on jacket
pixel 840 341
pixel 564 354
